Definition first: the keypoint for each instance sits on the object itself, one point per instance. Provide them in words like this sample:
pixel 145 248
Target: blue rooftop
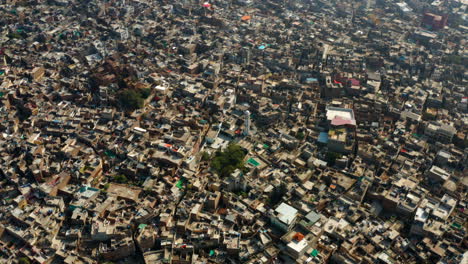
pixel 323 137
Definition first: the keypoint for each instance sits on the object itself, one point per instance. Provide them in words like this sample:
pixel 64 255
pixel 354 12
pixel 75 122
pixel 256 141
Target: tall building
pixel 245 55
pixel 247 123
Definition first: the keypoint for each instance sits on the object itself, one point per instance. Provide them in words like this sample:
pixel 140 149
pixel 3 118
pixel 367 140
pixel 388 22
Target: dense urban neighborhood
pixel 233 131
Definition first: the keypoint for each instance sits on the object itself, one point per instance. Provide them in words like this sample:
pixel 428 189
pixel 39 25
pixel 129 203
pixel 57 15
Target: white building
pixel 440 132
pixel 284 217
pixel 438 174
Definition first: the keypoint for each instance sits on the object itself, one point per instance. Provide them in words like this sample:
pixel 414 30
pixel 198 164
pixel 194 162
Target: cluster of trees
pixel 120 178
pixel 23 260
pixel 131 99
pixel 205 156
pixel 226 162
pixel 300 135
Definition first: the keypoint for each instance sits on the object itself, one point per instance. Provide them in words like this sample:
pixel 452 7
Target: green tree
pixel 23 260
pixel 226 162
pixel 144 92
pixel 120 178
pixel 130 99
pixel 205 156
pixel 243 194
pixel 300 135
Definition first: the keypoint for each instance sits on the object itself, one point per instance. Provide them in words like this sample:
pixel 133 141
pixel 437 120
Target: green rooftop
pixel 180 184
pixel 109 153
pixel 253 162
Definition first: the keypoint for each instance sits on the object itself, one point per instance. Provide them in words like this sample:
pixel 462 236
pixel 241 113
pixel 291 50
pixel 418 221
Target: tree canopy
pixel 300 135
pixel 227 161
pixel 23 260
pixel 132 99
pixel 120 178
pixel 145 92
pixel 205 156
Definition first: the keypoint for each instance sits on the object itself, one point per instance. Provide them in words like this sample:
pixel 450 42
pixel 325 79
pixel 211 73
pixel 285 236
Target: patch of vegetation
pixel 121 178
pixel 94 182
pixel 300 135
pixel 131 99
pixel 23 260
pixel 226 162
pixel 205 156
pixel 145 92
pixel 242 194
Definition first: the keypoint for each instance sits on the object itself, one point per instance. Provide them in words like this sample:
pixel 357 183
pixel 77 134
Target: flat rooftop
pixel 344 113
pixel 286 213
